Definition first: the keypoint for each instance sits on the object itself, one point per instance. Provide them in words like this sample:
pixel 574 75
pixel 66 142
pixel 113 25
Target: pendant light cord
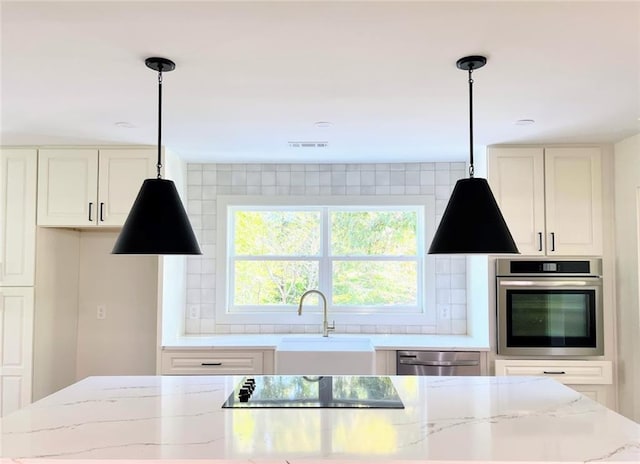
pixel 159 164
pixel 470 123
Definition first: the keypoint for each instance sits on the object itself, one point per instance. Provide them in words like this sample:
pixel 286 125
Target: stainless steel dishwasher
pixel 438 363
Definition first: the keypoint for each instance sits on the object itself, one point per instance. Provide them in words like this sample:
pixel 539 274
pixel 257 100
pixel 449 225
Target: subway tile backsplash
pixel 206 181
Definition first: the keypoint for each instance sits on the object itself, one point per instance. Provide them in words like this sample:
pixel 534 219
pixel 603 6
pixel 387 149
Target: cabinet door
pixel 67 187
pixel 602 394
pixel 16 341
pixel 573 186
pixel 122 172
pixel 516 177
pixel 18 168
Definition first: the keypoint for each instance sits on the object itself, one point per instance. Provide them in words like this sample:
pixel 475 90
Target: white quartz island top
pixel 445 419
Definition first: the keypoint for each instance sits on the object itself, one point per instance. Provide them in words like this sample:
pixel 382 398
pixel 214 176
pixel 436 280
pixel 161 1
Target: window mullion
pixel 375 258
pixel 274 258
pixel 325 278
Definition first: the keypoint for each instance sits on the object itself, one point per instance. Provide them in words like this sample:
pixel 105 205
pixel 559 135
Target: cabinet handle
pixel 539 241
pixel 554 372
pixel 211 364
pixel 553 241
pixel 101 212
pixel 90 206
pixel 461 362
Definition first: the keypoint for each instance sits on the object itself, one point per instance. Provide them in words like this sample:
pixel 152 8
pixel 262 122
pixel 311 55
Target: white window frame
pixel 426 292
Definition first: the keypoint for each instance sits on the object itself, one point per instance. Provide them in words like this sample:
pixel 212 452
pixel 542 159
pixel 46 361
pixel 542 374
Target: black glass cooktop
pixel 302 391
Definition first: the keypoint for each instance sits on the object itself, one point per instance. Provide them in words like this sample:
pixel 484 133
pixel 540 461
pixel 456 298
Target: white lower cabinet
pixel 16 346
pixel 591 378
pixel 386 362
pixel 595 392
pixel 217 362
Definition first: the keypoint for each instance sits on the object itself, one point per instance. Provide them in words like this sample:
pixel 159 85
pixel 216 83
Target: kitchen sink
pixel 316 355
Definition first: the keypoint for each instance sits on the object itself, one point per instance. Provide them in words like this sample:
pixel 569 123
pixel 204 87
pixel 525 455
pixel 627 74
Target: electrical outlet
pixel 444 312
pixel 194 312
pixel 101 313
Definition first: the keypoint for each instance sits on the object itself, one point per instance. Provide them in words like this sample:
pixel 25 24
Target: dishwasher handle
pixel 412 361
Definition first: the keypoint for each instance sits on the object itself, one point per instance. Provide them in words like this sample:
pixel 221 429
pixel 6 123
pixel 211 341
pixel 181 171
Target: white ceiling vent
pixel 308 144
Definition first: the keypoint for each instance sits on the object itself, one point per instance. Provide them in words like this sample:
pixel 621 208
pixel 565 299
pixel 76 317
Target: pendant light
pixel 157 223
pixel 472 222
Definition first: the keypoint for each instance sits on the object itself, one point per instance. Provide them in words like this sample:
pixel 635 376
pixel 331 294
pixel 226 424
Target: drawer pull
pixel 554 372
pixel 461 362
pixel 211 364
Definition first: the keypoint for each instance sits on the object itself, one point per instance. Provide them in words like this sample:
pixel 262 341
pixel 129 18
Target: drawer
pixel 594 392
pixel 567 372
pixel 212 362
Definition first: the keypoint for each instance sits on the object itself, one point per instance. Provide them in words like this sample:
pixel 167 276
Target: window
pixel 367 256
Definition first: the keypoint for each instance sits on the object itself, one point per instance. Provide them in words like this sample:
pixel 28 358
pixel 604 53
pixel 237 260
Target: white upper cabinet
pixel 90 187
pixel 516 177
pixel 67 187
pixel 573 179
pixel 18 174
pixel 122 173
pixel 551 198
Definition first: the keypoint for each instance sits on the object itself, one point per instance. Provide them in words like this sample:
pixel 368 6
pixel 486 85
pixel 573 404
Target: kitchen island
pixel 444 419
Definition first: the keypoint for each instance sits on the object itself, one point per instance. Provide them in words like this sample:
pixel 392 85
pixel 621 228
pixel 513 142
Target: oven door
pixel 550 316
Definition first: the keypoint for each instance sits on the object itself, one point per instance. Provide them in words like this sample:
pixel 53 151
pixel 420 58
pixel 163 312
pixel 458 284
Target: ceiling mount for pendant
pixel 469 63
pixel 160 64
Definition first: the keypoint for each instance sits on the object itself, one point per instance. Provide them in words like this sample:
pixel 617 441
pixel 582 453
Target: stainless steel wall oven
pixel 549 307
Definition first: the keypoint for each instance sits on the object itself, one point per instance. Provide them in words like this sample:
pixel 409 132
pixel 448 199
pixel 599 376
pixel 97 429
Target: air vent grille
pixel 308 144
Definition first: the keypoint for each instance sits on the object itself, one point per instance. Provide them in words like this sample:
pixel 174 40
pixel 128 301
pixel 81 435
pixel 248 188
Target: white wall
pixel 172 290
pixel 76 272
pixel 56 310
pixel 124 343
pixel 172 284
pixel 627 215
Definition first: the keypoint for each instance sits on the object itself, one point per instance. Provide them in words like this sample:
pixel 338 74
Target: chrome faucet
pixel 326 328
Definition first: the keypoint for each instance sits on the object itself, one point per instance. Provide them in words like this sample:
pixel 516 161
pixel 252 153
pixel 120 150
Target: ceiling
pixel 253 76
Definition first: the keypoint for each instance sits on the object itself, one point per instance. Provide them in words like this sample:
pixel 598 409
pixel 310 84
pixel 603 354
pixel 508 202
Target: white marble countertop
pixel 445 419
pixel 379 341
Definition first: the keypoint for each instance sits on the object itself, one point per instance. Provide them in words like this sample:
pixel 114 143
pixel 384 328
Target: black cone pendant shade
pixel 157 223
pixel 472 221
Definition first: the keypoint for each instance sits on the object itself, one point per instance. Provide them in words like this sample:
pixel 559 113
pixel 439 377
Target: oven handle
pixel 551 282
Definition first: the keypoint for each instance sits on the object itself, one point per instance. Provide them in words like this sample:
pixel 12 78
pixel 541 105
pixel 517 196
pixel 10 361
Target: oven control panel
pixel 514 267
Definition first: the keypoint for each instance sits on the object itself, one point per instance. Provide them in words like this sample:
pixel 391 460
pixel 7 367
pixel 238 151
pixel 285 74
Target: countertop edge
pixel 262 461
pixel 381 342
